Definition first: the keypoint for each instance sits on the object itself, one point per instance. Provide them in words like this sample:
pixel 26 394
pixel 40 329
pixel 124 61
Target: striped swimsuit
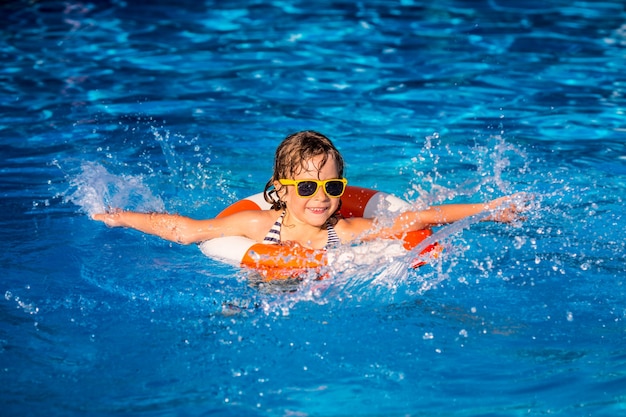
pixel 273 236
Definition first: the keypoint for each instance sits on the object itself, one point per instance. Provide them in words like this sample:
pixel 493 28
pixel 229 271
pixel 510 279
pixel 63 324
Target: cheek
pixel 282 193
pixel 290 197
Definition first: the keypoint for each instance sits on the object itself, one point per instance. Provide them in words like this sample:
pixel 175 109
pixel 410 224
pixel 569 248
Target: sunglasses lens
pixel 334 188
pixel 306 188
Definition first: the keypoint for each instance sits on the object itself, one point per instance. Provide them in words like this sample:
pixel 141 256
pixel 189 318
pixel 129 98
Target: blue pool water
pixel 178 107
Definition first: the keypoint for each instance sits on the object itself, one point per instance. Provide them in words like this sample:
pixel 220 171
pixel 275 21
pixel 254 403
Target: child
pixel 305 193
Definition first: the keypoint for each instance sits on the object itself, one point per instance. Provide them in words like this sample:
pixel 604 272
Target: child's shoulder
pixel 250 223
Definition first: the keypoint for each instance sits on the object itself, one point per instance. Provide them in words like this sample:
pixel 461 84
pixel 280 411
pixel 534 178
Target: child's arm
pixel 176 228
pixel 505 209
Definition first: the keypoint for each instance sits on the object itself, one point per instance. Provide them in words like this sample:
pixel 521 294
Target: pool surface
pixel 179 106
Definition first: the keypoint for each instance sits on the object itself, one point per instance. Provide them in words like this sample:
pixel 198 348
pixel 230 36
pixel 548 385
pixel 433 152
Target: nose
pixel 320 194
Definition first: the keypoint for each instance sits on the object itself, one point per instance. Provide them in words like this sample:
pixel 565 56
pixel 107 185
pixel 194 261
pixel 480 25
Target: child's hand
pixel 110 218
pixel 507 209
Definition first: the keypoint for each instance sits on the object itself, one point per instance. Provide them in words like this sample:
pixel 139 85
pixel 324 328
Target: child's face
pixel 316 209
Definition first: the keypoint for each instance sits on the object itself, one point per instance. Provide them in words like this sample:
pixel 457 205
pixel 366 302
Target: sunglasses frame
pixel 318 183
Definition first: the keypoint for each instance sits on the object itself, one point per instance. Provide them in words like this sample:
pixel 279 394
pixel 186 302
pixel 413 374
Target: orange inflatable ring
pixel 289 261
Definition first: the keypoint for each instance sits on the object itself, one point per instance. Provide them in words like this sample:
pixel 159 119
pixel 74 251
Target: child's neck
pixel 305 234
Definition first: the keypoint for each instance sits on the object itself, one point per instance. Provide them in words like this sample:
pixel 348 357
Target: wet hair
pixel 292 156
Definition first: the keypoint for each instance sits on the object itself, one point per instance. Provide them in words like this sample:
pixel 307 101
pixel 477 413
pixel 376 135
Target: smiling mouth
pixel 318 210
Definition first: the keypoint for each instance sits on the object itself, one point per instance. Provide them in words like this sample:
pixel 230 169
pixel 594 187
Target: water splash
pixel 182 169
pixel 489 169
pixel 494 161
pixel 96 190
pixel 189 169
pixel 27 307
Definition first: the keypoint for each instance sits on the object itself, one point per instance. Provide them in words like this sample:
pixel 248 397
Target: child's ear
pixel 280 192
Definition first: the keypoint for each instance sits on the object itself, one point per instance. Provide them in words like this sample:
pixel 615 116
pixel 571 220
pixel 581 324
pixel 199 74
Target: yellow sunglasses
pixel 307 188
